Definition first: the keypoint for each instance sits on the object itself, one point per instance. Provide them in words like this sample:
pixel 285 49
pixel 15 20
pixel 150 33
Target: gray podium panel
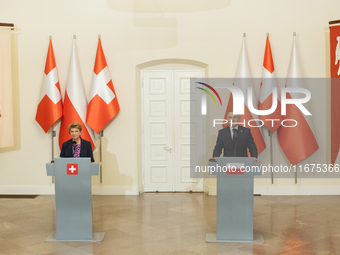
pixel 233 210
pixel 235 201
pixel 73 197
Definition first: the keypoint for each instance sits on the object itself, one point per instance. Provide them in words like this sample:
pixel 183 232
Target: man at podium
pixel 76 147
pixel 235 140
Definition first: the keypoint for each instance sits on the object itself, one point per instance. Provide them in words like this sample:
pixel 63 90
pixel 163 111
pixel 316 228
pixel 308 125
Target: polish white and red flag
pixel 266 91
pixel 297 142
pixel 75 103
pixel 50 104
pixel 243 80
pixel 103 102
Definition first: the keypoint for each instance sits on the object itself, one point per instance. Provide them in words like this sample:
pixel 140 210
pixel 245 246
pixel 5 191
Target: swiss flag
pixel 103 102
pixel 266 94
pixel 75 104
pixel 50 107
pixel 243 80
pixel 72 169
pixel 296 142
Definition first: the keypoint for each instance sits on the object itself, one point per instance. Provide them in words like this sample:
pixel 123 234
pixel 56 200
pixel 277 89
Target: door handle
pixel 167 148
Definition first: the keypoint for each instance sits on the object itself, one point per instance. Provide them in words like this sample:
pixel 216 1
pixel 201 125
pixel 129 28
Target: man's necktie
pixel 234 140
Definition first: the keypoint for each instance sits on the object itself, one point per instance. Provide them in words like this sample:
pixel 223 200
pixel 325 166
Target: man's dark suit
pixel 85 150
pixel 244 140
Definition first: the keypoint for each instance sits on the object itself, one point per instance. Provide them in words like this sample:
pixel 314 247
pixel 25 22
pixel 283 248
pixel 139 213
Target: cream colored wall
pixel 212 37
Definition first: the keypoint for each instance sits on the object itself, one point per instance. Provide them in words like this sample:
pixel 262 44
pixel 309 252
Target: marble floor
pixel 174 223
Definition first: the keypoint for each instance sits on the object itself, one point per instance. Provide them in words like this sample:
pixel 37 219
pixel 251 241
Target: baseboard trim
pixel 287 190
pixel 115 190
pixel 27 190
pixel 210 190
pixel 49 190
pixel 297 190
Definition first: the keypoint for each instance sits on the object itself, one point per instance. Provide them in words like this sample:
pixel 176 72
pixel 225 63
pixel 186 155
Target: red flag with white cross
pixel 50 105
pixel 103 102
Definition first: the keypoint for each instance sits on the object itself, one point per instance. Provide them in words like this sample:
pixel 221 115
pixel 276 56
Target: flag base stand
pixel 96 237
pixel 211 238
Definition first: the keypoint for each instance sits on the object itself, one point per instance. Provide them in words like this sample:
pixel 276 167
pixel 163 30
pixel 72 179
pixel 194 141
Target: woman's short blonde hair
pixel 74 125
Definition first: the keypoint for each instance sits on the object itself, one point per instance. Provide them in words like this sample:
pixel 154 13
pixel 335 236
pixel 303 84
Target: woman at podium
pixel 76 147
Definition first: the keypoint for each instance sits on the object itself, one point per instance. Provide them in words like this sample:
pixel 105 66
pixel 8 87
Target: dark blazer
pixel 85 150
pixel 244 140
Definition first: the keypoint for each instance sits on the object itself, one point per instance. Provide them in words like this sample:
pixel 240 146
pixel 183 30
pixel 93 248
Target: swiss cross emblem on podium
pixel 72 169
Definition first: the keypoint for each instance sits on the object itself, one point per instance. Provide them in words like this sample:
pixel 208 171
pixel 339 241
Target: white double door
pixel 166 110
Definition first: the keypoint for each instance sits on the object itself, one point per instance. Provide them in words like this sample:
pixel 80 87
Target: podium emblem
pixel 235 168
pixel 72 169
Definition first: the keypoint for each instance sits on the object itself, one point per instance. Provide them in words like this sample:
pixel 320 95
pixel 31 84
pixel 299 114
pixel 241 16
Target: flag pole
pixel 296 175
pixel 294 35
pixel 101 133
pixel 53 133
pixel 271 146
pixel 271 155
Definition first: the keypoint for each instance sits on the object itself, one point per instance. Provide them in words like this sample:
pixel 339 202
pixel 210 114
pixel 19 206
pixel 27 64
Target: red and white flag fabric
pixel 243 80
pixel 103 102
pixel 266 91
pixel 75 103
pixel 50 104
pixel 296 142
pixel 334 37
